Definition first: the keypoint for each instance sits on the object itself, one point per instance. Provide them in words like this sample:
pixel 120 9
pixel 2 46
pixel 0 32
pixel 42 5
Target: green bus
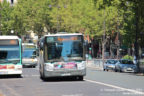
pixel 62 55
pixel 10 55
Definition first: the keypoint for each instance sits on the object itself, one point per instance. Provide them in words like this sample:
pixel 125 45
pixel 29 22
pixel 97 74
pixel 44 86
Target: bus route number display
pixel 8 42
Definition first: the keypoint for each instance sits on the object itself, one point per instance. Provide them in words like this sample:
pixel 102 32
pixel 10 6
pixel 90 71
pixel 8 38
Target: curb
pixel 97 68
pixel 140 74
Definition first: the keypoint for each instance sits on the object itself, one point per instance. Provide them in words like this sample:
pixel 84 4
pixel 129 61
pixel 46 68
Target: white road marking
pixel 30 75
pixel 116 87
pixel 73 95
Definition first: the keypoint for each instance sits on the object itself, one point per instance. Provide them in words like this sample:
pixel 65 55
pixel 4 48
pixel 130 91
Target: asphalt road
pixel 96 83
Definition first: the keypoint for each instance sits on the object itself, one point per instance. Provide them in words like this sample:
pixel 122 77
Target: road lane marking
pixel 116 87
pixel 72 95
pixel 30 75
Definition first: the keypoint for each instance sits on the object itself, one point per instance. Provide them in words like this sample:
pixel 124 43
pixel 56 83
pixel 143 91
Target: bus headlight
pixel 49 67
pixel 18 67
pixel 34 60
pixel 81 65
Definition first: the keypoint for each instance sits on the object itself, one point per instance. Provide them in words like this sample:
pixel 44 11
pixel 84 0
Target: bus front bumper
pixel 29 64
pixel 10 72
pixel 61 73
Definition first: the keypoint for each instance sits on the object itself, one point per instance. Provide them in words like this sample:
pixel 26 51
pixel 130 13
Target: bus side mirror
pixel 41 46
pixel 37 52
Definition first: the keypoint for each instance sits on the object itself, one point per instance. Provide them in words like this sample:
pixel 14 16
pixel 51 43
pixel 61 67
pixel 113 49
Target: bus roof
pixel 64 34
pixel 9 37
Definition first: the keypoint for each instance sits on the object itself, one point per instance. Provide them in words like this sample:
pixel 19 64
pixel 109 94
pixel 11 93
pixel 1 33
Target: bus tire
pixel 18 76
pixel 80 78
pixel 42 76
pixel 115 70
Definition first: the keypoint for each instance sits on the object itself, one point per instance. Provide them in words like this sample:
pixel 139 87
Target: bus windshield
pixel 64 48
pixel 29 54
pixel 9 54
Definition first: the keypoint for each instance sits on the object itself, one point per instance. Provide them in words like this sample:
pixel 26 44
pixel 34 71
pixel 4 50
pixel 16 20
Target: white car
pixel 110 64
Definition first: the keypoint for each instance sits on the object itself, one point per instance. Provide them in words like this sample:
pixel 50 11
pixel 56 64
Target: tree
pixel 6 20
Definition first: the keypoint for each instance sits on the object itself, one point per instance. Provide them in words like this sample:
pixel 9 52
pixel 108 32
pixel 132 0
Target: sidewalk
pixel 95 64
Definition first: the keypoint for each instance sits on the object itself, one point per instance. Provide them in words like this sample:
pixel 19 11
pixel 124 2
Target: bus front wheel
pixel 80 78
pixel 42 76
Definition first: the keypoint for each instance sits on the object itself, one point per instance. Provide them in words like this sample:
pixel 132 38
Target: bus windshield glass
pixel 29 54
pixel 9 54
pixel 64 47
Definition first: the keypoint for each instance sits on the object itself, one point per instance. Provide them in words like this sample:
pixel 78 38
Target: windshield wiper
pixel 76 58
pixel 13 61
pixel 55 60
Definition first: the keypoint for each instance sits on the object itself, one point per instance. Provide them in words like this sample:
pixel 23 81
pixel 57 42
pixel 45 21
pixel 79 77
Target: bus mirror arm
pixel 41 45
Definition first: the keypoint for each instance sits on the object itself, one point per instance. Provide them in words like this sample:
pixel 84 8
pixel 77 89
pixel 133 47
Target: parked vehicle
pixel 29 55
pixel 110 64
pixel 125 65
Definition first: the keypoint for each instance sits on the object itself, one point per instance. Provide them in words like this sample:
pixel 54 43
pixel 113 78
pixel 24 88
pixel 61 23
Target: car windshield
pixel 29 54
pixel 111 61
pixel 64 48
pixel 9 54
pixel 126 62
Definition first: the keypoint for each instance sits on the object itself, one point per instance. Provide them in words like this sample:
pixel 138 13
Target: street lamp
pixel 12 31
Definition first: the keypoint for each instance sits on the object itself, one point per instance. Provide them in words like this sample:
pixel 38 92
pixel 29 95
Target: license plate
pixel 129 68
pixel 66 74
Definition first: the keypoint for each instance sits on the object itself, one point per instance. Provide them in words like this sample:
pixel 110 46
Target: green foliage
pixel 128 57
pixel 26 15
pixel 86 16
pixel 6 16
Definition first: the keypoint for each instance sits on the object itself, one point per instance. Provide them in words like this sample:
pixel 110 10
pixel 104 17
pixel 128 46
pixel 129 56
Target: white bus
pixel 29 55
pixel 62 55
pixel 10 55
